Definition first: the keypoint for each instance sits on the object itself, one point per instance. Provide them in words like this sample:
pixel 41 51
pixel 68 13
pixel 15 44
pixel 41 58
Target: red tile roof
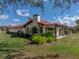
pixel 15 27
pixel 46 23
pixel 28 22
pixel 43 22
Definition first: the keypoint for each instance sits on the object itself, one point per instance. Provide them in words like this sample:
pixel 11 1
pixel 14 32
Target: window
pixel 27 30
pixel 34 30
pixel 41 30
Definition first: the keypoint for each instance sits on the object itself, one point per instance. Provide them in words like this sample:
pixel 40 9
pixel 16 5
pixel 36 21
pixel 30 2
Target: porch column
pixel 63 32
pixel 44 29
pixel 57 31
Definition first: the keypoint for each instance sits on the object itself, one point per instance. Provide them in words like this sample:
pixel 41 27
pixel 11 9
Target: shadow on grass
pixel 9 48
pixel 6 47
pixel 26 36
pixel 14 35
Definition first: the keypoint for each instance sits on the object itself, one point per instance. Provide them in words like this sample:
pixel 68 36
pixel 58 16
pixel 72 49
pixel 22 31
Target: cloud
pixel 23 12
pixel 16 20
pixel 71 21
pixel 45 0
pixel 4 16
pixel 59 20
pixel 67 20
pixel 12 24
pixel 73 18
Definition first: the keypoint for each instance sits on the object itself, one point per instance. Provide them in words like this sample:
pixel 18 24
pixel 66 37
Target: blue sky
pixel 21 15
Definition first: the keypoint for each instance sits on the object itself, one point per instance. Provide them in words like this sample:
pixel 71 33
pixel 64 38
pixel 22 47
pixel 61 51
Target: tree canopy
pixel 64 4
pixel 77 27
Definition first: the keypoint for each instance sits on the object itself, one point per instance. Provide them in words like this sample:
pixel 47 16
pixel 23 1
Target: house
pixel 36 25
pixel 3 28
pixel 69 30
pixel 14 29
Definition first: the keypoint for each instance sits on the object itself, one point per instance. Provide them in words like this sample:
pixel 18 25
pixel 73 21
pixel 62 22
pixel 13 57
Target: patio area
pixel 61 36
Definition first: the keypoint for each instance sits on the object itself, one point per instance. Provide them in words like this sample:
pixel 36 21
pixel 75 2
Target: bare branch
pixel 63 4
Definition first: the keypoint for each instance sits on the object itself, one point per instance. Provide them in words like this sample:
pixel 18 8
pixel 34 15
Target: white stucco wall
pixel 13 30
pixel 34 23
pixel 23 30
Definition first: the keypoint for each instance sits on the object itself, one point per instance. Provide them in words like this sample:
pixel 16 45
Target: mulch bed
pixel 22 56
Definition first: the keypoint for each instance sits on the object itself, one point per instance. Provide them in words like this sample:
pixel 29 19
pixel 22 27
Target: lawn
pixel 66 48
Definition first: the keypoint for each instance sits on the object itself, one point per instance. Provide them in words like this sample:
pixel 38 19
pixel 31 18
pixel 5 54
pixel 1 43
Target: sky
pixel 21 15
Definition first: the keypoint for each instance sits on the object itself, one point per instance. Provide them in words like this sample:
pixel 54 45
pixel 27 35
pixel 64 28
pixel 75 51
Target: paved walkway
pixel 62 36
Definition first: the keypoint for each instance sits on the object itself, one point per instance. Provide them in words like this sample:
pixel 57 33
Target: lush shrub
pixel 38 39
pixel 49 36
pixel 42 38
pixel 49 39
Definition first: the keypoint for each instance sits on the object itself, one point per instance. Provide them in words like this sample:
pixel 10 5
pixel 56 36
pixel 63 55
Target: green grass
pixel 68 46
pixel 10 44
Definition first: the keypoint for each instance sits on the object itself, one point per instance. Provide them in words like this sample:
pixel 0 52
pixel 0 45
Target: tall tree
pixel 77 27
pixel 64 4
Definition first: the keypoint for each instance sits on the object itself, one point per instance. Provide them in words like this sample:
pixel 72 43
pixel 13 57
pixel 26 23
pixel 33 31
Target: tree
pixel 77 27
pixel 64 4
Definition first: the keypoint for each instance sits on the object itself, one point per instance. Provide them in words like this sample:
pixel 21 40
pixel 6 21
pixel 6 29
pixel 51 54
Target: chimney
pixel 36 18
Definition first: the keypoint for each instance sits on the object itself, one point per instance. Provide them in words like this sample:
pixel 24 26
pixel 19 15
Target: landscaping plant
pixel 38 39
pixel 49 36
